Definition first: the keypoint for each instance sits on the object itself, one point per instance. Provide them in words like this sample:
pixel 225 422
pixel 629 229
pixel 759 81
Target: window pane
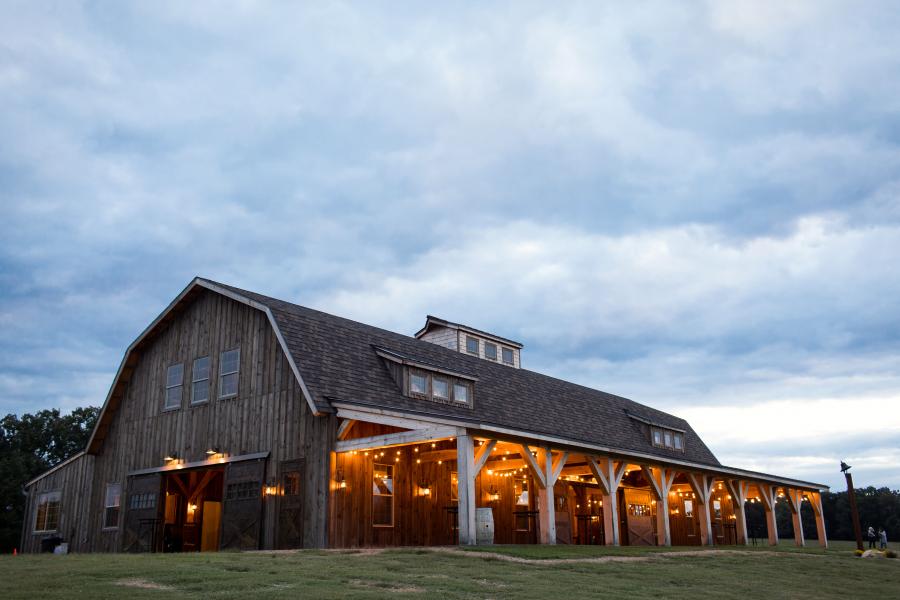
pixel 201 369
pixel 200 391
pixel 490 351
pixel 679 442
pixel 668 439
pixel 173 397
pixel 382 511
pixel 657 437
pixel 230 361
pixel 382 480
pixel 417 384
pixel 440 388
pixel 174 375
pixel 460 392
pixel 229 385
pixel 113 494
pixel 508 356
pixel 383 495
pixel 472 345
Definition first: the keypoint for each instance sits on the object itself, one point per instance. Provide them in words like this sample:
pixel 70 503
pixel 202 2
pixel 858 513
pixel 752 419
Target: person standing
pixel 882 538
pixel 871 534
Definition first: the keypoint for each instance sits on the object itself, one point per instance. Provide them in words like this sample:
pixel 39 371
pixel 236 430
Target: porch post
pixel 703 486
pixel 661 480
pixel 769 497
pixel 608 475
pixel 815 499
pixel 738 490
pixel 465 468
pixel 546 501
pixel 795 498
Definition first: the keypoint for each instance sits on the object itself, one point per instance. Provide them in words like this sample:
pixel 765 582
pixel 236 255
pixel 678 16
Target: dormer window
pixel 490 351
pixel 508 356
pixel 440 389
pixel 472 345
pixel 418 384
pixel 668 439
pixel 461 393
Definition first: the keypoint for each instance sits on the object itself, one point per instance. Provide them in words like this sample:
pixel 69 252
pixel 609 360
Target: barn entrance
pixel 192 510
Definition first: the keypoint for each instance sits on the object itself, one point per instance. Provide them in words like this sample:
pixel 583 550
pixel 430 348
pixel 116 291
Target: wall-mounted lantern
pixel 493 494
pixel 170 457
pixel 425 488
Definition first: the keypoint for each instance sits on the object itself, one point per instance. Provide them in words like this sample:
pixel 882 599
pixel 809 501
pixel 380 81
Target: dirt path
pixel 609 559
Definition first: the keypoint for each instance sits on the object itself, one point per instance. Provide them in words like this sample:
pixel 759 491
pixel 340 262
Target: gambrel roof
pixel 336 362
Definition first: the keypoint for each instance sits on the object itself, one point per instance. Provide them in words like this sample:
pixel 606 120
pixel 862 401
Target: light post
pixel 851 497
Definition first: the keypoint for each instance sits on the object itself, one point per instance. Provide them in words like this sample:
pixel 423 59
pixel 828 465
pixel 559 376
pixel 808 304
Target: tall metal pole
pixel 854 514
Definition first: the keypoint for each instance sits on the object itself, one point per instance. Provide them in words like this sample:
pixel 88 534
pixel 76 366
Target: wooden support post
pixel 546 471
pixel 815 499
pixel 795 499
pixel 609 475
pixel 702 485
pixel 465 474
pixel 738 490
pixel 661 480
pixel 769 495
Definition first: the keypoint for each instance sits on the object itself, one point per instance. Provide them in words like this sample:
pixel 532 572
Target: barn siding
pixel 69 479
pixel 269 414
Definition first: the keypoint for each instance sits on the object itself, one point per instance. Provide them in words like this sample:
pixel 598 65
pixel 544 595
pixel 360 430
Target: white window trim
pixel 496 357
pixel 512 353
pixel 477 345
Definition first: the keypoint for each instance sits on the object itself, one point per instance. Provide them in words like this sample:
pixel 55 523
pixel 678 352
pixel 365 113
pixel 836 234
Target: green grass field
pixel 489 572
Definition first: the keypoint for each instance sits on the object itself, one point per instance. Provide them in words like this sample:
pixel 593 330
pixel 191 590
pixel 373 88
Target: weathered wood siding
pixel 71 480
pixel 269 414
pixel 418 520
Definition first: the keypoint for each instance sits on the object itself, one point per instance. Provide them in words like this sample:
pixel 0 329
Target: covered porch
pixel 402 481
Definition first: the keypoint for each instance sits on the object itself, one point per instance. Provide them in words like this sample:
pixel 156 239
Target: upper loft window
pixel 472 345
pixel 666 438
pixel 490 351
pixel 508 356
pixel 46 518
pixel 228 373
pixel 439 388
pixel 174 383
pixel 200 380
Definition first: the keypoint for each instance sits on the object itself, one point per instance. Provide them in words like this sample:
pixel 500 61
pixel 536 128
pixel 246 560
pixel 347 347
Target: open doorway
pixel 192 510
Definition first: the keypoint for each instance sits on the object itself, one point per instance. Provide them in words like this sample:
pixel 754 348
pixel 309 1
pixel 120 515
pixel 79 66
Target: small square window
pixel 461 393
pixel 471 345
pixel 440 389
pixel 507 356
pixel 417 384
pixel 490 351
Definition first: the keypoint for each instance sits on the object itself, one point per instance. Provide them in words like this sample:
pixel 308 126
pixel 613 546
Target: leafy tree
pixel 28 446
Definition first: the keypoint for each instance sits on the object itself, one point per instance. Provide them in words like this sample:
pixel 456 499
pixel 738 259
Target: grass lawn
pixel 491 572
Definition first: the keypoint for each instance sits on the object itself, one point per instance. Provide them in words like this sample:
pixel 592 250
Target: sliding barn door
pixel 243 507
pixel 142 522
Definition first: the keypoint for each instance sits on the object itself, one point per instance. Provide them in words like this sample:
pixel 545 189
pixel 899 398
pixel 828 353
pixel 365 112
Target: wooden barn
pixel 238 421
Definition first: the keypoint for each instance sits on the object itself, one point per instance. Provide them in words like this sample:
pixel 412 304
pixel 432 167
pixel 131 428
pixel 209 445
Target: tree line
pixel 33 443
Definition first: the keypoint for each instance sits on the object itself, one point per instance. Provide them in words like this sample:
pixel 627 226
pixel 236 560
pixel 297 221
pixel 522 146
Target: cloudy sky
pixel 694 205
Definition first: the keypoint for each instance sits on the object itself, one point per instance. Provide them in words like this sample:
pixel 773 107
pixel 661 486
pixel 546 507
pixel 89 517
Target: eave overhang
pixel 476 426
